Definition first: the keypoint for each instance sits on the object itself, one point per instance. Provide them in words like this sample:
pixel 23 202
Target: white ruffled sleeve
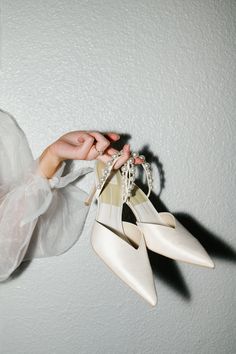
pixel 62 220
pixel 38 217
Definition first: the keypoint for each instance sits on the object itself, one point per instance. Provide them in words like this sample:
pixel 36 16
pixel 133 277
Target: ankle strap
pixel 107 171
pixel 128 175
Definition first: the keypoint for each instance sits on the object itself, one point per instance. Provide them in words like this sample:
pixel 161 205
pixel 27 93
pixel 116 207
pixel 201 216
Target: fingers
pixel 124 157
pixel 86 141
pixel 113 136
pixel 86 144
pixel 126 149
pixel 101 142
pixel 138 161
pixel 111 151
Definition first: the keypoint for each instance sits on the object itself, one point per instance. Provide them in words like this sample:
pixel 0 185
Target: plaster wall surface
pixel 162 72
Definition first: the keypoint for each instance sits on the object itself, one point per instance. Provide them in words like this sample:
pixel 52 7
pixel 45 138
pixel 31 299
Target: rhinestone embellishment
pixel 128 173
pixel 108 168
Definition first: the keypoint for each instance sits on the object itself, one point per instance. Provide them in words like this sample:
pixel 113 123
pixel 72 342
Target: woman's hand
pixel 82 145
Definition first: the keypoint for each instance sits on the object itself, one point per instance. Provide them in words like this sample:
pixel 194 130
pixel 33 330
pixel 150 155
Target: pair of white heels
pixel 123 245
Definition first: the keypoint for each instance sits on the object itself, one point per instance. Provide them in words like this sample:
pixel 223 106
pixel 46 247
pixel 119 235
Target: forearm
pixel 49 163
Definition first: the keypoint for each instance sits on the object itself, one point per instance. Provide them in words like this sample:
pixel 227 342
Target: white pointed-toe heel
pixel 163 233
pixel 120 245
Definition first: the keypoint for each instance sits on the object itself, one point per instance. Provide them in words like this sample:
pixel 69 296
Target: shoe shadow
pixel 164 268
pixel 154 160
pixel 214 245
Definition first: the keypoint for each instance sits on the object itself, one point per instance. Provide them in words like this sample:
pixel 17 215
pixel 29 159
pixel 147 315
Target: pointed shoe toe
pixel 173 240
pixel 130 264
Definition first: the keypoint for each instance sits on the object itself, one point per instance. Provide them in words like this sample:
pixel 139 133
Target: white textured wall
pixel 163 72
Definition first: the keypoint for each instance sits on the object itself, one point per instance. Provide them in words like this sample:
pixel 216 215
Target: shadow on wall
pixel 165 268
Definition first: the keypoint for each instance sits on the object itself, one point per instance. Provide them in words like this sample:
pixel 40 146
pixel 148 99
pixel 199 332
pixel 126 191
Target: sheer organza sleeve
pixel 38 217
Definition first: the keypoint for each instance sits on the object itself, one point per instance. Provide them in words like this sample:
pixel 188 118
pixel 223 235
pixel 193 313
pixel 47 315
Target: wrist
pixel 49 163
